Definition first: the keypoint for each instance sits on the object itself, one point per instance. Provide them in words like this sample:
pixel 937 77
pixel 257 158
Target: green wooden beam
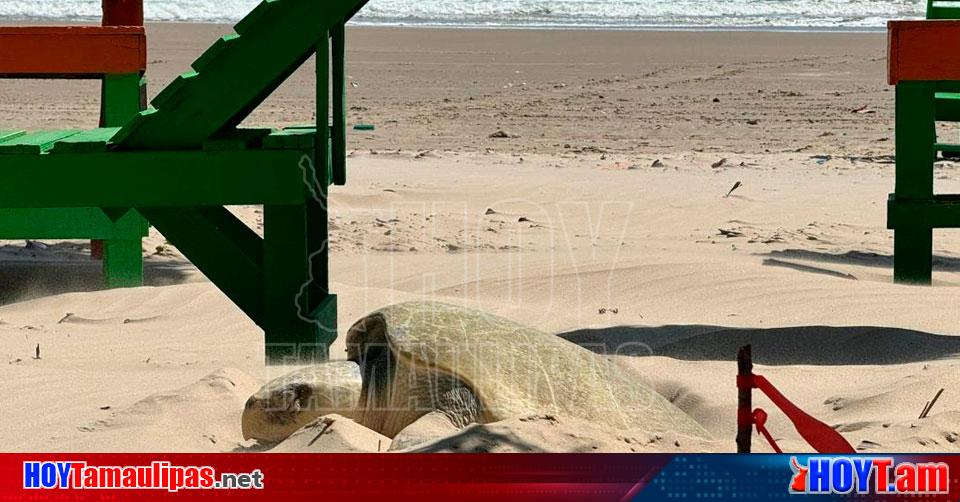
pixel 338 154
pixel 915 139
pixel 68 223
pixel 299 324
pixel 153 179
pixel 942 211
pixel 221 246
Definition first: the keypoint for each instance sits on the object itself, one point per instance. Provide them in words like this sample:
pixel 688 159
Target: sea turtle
pixel 284 405
pixel 464 366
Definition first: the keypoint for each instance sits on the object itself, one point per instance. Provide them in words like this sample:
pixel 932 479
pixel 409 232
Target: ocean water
pixel 619 14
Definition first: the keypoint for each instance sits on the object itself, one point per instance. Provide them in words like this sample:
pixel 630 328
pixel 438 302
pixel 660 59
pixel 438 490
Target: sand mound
pixel 333 434
pixel 200 417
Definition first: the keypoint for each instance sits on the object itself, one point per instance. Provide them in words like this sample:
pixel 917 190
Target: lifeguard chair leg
pixel 915 154
pixel 301 314
pixel 122 97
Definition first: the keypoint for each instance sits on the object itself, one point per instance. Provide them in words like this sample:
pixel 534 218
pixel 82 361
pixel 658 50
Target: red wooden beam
pixel 123 12
pixel 71 51
pixel 923 50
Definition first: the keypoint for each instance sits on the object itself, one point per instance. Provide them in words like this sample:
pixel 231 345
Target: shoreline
pixel 13 21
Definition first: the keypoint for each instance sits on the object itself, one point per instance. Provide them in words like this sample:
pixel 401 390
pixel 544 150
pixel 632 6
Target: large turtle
pixel 464 366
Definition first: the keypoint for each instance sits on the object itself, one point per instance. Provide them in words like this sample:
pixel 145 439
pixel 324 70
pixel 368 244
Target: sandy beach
pixel 578 182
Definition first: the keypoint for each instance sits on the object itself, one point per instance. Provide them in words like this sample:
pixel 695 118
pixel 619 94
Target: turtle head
pixel 292 401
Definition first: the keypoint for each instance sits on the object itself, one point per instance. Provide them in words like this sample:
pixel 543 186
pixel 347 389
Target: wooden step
pixel 89 141
pixel 34 143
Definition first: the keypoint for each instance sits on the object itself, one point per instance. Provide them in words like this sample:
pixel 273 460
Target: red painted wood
pixel 923 50
pixel 72 51
pixel 123 12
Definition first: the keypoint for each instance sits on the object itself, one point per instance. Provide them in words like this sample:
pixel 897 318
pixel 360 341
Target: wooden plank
pixel 222 247
pixel 122 97
pixel 129 179
pixel 173 89
pixel 237 139
pixel 211 54
pixel 68 223
pixel 9 135
pixel 76 51
pixel 123 12
pixel 338 143
pixel 35 143
pixel 923 50
pixel 89 141
pixel 291 139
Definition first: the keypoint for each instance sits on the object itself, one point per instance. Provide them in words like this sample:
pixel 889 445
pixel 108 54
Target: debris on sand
pixel 501 134
pixel 735 187
pixel 426 153
pixel 718 164
pixel 657 163
pixel 730 233
pixel 524 219
pixel 490 211
pixel 929 406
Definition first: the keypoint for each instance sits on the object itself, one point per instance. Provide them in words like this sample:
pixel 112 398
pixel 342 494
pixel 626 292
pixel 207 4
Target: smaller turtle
pixel 283 406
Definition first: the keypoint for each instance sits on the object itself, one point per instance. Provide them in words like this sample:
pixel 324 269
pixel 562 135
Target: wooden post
pixel 915 137
pixel 744 400
pixel 122 12
pixel 122 96
pixel 339 133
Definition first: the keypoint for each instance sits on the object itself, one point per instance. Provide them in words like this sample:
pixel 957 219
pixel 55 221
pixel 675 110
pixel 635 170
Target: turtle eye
pixel 302 393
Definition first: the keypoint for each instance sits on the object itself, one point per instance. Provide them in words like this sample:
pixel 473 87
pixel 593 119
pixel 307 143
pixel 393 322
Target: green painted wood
pixel 89 141
pixel 256 16
pixel 291 139
pixel 9 135
pixel 122 98
pixel 913 256
pixel 215 51
pixel 338 155
pixel 225 250
pixel 275 40
pixel 942 211
pixel 301 313
pixel 915 137
pixel 34 143
pixel 67 223
pixel 323 149
pixel 123 263
pixel 238 139
pixel 173 95
pixel 915 154
pixel 295 284
pixel 129 179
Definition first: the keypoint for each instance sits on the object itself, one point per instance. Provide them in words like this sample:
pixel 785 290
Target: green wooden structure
pixel 117 238
pixel 924 65
pixel 179 162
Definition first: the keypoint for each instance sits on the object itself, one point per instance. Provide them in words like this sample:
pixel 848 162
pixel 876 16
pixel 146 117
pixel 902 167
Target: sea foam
pixel 696 14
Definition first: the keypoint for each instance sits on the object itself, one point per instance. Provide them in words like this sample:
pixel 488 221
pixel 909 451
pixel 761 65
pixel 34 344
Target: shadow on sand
pixel 813 345
pixel 860 258
pixel 27 280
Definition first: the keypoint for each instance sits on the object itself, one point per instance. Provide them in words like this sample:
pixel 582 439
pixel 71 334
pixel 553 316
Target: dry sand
pixel 628 243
